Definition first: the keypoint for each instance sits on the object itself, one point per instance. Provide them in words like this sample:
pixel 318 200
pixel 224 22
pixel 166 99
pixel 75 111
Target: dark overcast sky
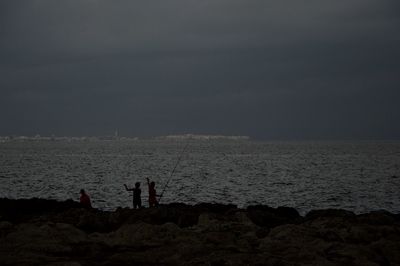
pixel 268 69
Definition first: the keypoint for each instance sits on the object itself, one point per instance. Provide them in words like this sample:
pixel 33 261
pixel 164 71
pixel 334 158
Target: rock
pixel 92 221
pixel 5 228
pixel 40 244
pixel 30 207
pixel 143 234
pixel 288 213
pixel 377 218
pixel 387 252
pixel 211 222
pixel 69 234
pixel 242 218
pixel 215 207
pixel 269 217
pixel 329 213
pixel 362 234
pixel 205 220
pixel 204 234
pixel 180 214
pixel 188 219
pixel 117 218
pixel 64 263
pixel 262 232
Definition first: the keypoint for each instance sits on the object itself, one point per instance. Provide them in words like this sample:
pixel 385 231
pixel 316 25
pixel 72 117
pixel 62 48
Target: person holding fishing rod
pixel 152 193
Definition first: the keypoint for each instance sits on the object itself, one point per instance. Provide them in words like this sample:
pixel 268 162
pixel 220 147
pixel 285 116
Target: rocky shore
pixel 47 232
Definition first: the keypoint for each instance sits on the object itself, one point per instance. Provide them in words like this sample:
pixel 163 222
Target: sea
pixel 359 176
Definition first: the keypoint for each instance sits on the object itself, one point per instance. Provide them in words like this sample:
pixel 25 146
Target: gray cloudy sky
pixel 285 69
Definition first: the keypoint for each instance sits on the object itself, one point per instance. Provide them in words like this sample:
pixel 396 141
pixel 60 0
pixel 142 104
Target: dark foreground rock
pixel 46 232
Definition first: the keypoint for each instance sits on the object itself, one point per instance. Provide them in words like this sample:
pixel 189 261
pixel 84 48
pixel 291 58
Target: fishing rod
pixel 173 171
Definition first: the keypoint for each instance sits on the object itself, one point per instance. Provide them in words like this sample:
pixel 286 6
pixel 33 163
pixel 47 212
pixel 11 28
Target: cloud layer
pixel 287 70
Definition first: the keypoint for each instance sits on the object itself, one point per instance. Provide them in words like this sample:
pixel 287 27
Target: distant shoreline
pixel 116 137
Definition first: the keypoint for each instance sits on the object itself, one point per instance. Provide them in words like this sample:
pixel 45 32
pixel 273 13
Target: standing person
pixel 152 193
pixel 85 199
pixel 137 200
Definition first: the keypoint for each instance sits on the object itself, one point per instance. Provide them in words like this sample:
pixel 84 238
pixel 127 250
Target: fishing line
pixel 173 171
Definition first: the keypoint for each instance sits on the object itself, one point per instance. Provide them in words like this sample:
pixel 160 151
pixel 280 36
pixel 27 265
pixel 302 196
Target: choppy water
pixel 359 176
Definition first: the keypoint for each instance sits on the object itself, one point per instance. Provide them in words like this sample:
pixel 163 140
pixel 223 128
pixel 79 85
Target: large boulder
pixel 39 244
pixel 20 208
pixel 378 218
pixel 215 207
pixel 94 221
pixel 270 217
pixel 302 245
pixel 5 228
pixel 314 214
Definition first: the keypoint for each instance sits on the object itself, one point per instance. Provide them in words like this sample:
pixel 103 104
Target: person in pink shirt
pixel 85 199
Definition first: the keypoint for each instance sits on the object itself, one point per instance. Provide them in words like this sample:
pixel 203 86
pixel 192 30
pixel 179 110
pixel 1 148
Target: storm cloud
pixel 268 69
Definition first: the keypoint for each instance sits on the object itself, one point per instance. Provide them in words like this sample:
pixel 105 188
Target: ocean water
pixel 358 176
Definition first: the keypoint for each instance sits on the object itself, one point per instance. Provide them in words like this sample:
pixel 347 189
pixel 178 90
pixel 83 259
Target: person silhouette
pixel 137 200
pixel 152 193
pixel 85 199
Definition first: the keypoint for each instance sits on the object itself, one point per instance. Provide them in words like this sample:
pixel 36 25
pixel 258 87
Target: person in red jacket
pixel 152 194
pixel 85 199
